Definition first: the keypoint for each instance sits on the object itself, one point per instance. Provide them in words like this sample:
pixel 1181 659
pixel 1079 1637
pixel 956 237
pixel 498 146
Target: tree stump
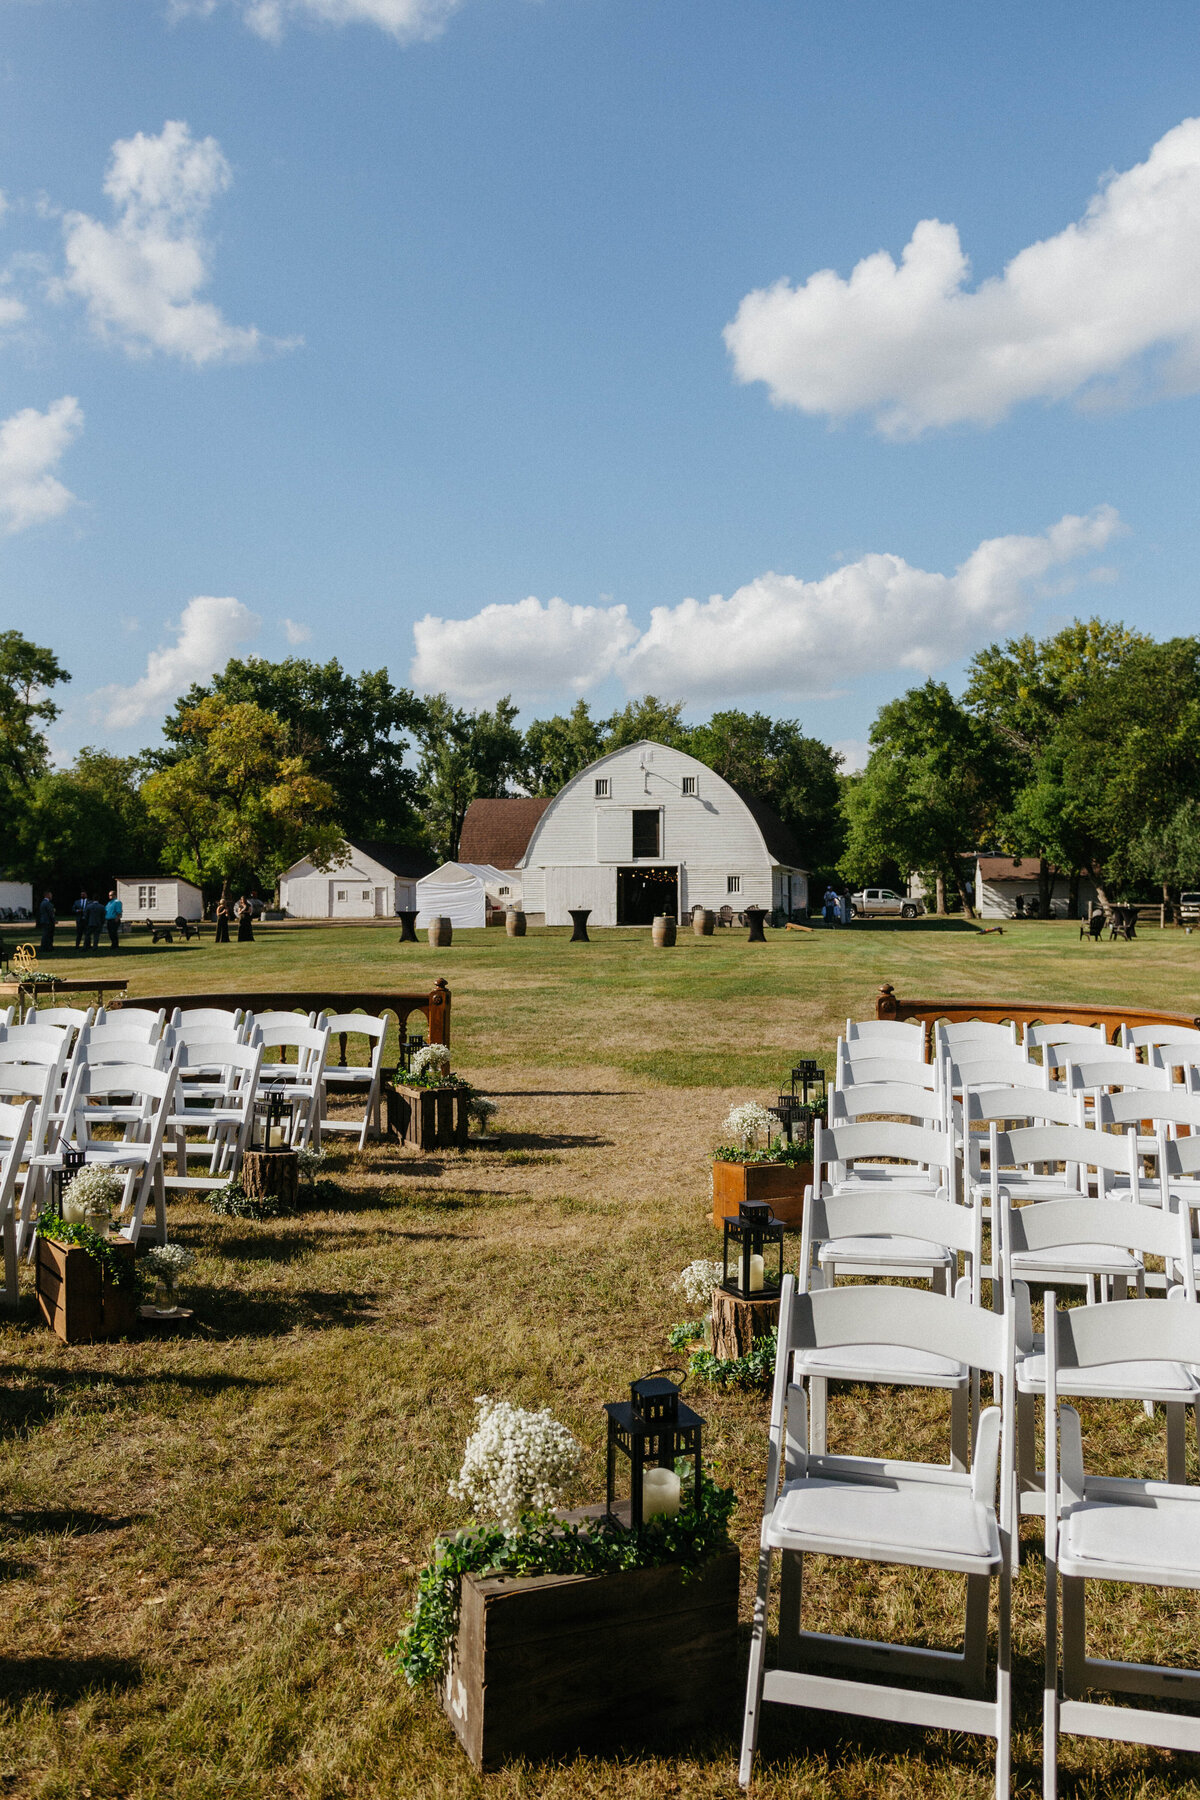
pixel 737 1323
pixel 272 1173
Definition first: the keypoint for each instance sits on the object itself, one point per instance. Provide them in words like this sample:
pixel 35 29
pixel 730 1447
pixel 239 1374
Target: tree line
pixel 1079 751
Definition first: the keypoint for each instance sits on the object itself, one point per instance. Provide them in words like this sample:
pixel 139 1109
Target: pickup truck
pixel 882 903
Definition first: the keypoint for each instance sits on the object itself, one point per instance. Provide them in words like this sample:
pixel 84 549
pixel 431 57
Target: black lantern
pixel 274 1111
pixel 652 1428
pixel 70 1163
pixel 409 1045
pixel 790 1112
pixel 753 1252
pixel 811 1077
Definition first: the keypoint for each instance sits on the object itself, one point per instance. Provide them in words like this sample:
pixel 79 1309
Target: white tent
pixel 462 893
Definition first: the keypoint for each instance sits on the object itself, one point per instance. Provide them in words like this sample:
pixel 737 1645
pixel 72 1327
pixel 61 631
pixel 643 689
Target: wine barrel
pixel 441 932
pixel 514 923
pixel 663 931
pixel 703 921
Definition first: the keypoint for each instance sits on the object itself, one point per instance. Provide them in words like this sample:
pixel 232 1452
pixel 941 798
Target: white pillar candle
pixel 660 1493
pixel 756 1275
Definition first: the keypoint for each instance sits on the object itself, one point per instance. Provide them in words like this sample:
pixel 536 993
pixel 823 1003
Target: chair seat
pixel 1150 1538
pixel 349 1077
pixel 867 1179
pixel 882 1362
pixel 1021 1186
pixel 1161 1381
pixel 1074 1259
pixel 899 1251
pixel 913 1522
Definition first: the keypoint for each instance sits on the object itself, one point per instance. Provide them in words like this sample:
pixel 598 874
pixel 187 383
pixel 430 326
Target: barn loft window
pixel 502 890
pixel 602 787
pixel 646 833
pixel 733 884
pixel 689 784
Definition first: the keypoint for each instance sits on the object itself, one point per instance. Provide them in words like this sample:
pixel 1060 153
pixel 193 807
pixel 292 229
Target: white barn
pixel 647 830
pixel 369 881
pixel 465 893
pixel 16 896
pixel 159 897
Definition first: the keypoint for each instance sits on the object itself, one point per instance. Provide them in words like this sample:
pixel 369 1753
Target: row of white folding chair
pixel 344 1078
pixel 139 1100
pixel 15 1125
pixel 217 1083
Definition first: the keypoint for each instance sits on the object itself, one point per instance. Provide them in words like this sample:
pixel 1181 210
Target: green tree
pixel 935 781
pixel 27 673
pixel 660 721
pixel 353 732
pixel 797 775
pixel 237 805
pixel 557 748
pixel 89 823
pixel 465 756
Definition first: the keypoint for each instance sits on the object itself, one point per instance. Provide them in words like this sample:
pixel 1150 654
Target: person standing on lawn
pixel 46 919
pixel 94 918
pixel 222 936
pixel 245 919
pixel 112 918
pixel 80 910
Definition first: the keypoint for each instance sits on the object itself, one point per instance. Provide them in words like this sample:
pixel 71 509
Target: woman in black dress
pixel 222 936
pixel 244 918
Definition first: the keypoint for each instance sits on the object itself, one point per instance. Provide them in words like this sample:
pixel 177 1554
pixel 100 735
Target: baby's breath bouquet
pixel 516 1462
pixel 752 1134
pixel 430 1066
pixel 166 1263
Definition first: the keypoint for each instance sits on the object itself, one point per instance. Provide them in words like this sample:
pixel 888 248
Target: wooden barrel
pixel 514 923
pixel 703 921
pixel 663 931
pixel 441 931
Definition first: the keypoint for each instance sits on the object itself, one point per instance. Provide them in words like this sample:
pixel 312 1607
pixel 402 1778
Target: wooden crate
pixel 429 1118
pixel 781 1185
pixel 77 1297
pixel 548 1665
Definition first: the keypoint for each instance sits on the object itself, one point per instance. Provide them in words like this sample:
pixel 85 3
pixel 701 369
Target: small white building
pixel 465 893
pixel 15 896
pixel 648 829
pixel 159 897
pixel 368 881
pixel 1001 880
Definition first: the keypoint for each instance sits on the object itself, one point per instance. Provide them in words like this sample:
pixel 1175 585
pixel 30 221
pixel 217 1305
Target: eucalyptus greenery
pixel 544 1545
pixel 233 1202
pixel 691 1331
pixel 778 1151
pixel 122 1271
pixel 755 1370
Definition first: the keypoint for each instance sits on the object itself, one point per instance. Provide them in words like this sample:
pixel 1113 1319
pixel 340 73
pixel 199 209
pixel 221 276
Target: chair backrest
pixel 222 1017
pixel 894 1214
pixel 853 1068
pixel 67 1017
pixel 841 1146
pixel 311 1038
pixel 145 1089
pixel 1056 1055
pixel 886 1099
pixel 218 1053
pixel 954 1037
pixel 365 1023
pixel 1087 1076
pixel 1178 1158
pixel 271 1021
pixel 1121 1331
pixel 959 1073
pixel 102 1044
pixel 140 1015
pixel 1054 1224
pixel 121 1028
pixel 32 1043
pixel 891 1037
pixel 29 1080
pixel 1036 1035
pixel 202 1033
pixel 1048 1106
pixel 1144 1036
pixel 908 1318
pixel 1174 1106
pixel 1072 1145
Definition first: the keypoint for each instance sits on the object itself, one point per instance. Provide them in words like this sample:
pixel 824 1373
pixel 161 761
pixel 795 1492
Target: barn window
pixel 689 784
pixel 645 833
pixel 733 884
pixel 602 789
pixel 341 893
pixel 502 890
pixel 366 893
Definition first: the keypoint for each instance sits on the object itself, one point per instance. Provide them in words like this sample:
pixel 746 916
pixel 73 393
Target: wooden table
pixel 24 991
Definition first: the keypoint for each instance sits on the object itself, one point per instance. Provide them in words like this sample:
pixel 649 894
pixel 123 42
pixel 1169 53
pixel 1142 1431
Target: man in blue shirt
pixel 112 918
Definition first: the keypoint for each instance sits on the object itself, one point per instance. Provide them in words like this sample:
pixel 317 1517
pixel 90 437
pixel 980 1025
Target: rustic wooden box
pixel 781 1185
pixel 429 1118
pixel 76 1294
pixel 551 1664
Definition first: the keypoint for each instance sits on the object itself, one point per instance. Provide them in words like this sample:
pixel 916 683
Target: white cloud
pixel 1105 309
pixel 140 276
pixel 405 20
pixel 32 444
pixel 295 632
pixel 525 646
pixel 777 635
pixel 853 752
pixel 210 630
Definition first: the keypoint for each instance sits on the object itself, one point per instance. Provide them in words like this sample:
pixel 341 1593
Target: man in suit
pixel 80 910
pixel 46 919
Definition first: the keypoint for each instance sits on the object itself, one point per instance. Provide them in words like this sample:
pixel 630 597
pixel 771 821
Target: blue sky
pixel 429 317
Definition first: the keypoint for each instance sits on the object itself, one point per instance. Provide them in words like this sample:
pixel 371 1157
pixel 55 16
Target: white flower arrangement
pixel 516 1461
pixel 747 1121
pixel 481 1110
pixel 699 1279
pixel 166 1262
pixel 434 1057
pixel 95 1189
pixel 309 1161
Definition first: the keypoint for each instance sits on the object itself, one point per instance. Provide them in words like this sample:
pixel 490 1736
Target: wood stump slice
pixel 273 1173
pixel 737 1323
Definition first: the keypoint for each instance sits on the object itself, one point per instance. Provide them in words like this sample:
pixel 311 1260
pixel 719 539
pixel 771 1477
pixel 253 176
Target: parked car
pixel 1189 909
pixel 882 903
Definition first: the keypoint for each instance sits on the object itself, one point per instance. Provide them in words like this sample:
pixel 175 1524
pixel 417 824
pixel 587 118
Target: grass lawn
pixel 209 1544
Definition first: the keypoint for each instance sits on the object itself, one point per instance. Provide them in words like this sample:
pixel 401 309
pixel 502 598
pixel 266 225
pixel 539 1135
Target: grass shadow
pixel 24 1409
pixel 65 1521
pixel 232 1315
pixel 64 1680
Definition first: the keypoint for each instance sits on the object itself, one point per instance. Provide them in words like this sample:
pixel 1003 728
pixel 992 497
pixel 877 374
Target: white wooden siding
pixel 308 893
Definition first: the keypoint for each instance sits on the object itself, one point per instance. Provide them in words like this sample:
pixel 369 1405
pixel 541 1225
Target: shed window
pixel 147 897
pixel 366 893
pixel 689 784
pixel 602 788
pixel 502 890
pixel 341 893
pixel 733 884
pixel 646 833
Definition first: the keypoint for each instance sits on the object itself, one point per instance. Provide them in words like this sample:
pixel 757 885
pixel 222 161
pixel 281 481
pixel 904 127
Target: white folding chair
pixel 341 1077
pixel 68 1018
pixel 1112 1528
pixel 1161 1037
pixel 1118 1176
pixel 845 1162
pixel 146 1097
pixel 15 1124
pixel 920 1105
pixel 986 1107
pixel 886 1037
pixel 972 1037
pixel 920 1223
pixel 301 1078
pixel 150 1022
pixel 890 1512
pixel 218 1100
pixel 1062 1228
pixel 850 1070
pixel 1036 1037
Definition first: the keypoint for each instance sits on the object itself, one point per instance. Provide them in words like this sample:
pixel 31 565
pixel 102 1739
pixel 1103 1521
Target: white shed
pixel 15 896
pixel 159 897
pixel 369 881
pixel 465 893
pixel 647 830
